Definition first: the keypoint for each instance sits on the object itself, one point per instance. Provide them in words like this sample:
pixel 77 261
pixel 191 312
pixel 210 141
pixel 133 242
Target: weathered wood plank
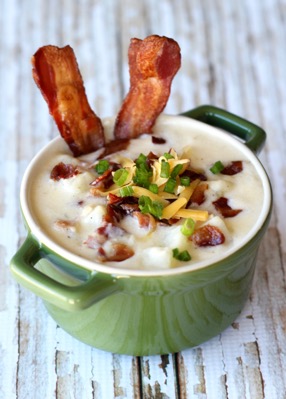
pixel 159 377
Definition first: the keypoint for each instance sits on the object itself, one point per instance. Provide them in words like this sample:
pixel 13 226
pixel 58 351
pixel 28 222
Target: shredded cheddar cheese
pixel 193 214
pixel 170 210
pixel 173 199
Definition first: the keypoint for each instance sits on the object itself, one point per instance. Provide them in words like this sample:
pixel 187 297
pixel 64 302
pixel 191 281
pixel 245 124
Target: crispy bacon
pixel 119 253
pixel 158 140
pixel 145 220
pixel 194 175
pixel 63 171
pixel 221 205
pixel 56 73
pixel 233 168
pixel 104 181
pixel 198 195
pixel 208 236
pixel 118 207
pixel 153 63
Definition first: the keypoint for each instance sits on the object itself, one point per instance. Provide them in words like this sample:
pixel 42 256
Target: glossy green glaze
pixel 159 315
pixel 253 136
pixel 144 314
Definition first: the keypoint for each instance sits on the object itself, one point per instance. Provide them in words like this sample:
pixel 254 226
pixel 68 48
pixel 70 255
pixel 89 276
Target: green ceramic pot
pixel 141 312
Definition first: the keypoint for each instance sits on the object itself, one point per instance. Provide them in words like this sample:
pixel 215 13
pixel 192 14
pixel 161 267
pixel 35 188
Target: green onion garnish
pixel 188 227
pixel 165 169
pixel 143 172
pixel 183 256
pixel 120 176
pixel 176 171
pixel 141 160
pixel 146 205
pixel 102 166
pixel 170 186
pixel 168 156
pixel 217 167
pixel 126 191
pixel 142 177
pixel 154 188
pixel 185 180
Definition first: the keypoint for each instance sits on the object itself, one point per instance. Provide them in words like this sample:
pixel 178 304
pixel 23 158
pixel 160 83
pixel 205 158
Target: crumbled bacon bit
pixel 63 171
pixel 114 199
pixel 198 195
pixel 145 220
pixel 118 207
pixel 193 175
pixel 119 253
pixel 104 181
pixel 113 213
pixel 208 236
pixel 233 168
pixel 151 156
pixel 158 140
pixel 221 205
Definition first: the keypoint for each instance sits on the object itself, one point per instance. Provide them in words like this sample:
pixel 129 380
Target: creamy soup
pixel 183 214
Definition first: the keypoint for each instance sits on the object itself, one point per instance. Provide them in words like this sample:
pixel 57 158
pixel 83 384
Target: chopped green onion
pixel 143 172
pixel 188 227
pixel 168 156
pixel 176 253
pixel 154 188
pixel 126 191
pixel 165 169
pixel 176 171
pixel 185 180
pixel 170 186
pixel 102 166
pixel 142 176
pixel 141 160
pixel 146 205
pixel 120 176
pixel 183 256
pixel 217 167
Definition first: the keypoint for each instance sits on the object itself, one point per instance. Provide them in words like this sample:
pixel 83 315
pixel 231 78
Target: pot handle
pixel 254 137
pixel 70 298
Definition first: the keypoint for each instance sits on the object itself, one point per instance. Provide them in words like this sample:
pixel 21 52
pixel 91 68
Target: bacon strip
pixel 153 63
pixel 56 73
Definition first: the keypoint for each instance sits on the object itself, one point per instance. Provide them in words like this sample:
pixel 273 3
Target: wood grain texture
pixel 233 56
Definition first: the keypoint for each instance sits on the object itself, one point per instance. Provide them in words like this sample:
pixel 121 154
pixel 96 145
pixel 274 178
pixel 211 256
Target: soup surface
pixel 178 196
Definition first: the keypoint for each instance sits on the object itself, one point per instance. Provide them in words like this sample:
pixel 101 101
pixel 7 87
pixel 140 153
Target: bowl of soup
pixel 149 248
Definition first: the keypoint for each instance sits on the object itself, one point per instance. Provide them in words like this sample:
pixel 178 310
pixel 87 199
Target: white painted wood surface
pixel 233 56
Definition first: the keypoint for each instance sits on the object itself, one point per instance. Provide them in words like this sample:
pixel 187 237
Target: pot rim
pixel 43 238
